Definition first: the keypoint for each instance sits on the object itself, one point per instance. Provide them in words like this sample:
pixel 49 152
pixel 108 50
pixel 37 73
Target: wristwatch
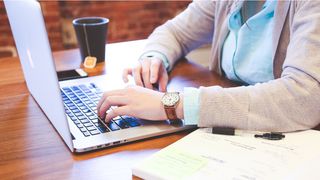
pixel 170 101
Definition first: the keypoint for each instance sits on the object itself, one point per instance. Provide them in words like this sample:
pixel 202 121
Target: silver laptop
pixel 71 105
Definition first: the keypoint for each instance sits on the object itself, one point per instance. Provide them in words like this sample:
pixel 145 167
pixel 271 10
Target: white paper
pixel 203 155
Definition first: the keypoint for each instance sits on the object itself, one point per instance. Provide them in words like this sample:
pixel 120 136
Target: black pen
pixel 234 132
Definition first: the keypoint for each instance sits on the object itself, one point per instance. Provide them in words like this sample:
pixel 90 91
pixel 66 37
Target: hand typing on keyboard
pixel 134 101
pixel 80 103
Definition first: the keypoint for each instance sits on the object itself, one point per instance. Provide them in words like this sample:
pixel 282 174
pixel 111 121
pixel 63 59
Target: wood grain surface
pixel 30 148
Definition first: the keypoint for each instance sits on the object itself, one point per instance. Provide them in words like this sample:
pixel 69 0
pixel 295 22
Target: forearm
pixel 287 104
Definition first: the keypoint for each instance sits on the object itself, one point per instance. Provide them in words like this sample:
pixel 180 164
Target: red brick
pixel 128 20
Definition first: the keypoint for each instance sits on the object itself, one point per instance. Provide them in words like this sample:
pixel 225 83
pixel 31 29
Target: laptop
pixel 71 105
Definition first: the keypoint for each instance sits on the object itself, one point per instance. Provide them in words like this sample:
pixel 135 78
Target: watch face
pixel 170 99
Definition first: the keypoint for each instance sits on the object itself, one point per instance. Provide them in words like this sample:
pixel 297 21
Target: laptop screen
pixel 30 35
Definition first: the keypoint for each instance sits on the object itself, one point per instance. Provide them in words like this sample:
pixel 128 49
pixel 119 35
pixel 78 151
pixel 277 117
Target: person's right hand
pixel 147 73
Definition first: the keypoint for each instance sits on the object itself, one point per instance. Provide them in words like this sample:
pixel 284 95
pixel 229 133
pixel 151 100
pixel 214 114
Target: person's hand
pixel 148 72
pixel 132 101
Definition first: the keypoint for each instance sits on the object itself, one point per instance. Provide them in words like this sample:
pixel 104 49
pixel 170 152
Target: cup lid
pixel 90 21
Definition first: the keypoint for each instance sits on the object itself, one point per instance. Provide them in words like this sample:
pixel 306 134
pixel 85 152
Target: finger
pixel 146 74
pixel 125 73
pixel 163 82
pixel 107 94
pixel 154 70
pixel 111 101
pixel 119 111
pixel 136 72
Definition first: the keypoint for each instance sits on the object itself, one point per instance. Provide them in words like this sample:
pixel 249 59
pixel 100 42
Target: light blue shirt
pixel 246 53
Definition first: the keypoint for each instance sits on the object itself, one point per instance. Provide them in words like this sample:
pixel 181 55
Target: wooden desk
pixel 30 148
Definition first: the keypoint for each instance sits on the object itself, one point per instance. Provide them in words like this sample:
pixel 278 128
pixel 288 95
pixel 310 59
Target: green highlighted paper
pixel 173 163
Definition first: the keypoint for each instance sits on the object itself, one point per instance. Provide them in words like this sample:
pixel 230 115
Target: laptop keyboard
pixel 80 103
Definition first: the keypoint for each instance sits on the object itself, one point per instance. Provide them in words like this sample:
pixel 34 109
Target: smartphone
pixel 71 74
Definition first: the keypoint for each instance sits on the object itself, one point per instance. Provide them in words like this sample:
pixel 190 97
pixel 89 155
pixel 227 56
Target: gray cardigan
pixel 288 103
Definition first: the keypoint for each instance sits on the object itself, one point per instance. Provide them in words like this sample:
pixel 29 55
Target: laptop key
pixel 87 124
pixel 89 114
pixel 73 107
pixel 75 110
pixel 80 104
pixel 103 129
pixel 93 117
pixel 79 125
pixel 83 108
pixel 77 122
pixel 123 124
pixel 85 121
pixel 70 93
pixel 66 88
pixel 86 110
pixel 131 121
pixel 75 99
pixel 73 118
pixel 94 132
pixel 78 114
pixel 71 115
pixel 83 129
pixel 91 128
pixel 82 96
pixel 81 117
pixel 74 88
pixel 113 126
pixel 69 104
pixel 86 133
pixel 96 120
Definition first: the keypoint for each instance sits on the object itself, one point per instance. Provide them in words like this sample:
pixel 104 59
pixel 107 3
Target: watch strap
pixel 171 112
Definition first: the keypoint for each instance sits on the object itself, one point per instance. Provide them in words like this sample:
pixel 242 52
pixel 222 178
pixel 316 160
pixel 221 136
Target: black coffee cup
pixel 91 35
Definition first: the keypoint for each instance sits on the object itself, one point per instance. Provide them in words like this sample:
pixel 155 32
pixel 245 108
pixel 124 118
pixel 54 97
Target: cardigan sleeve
pixel 289 103
pixel 187 31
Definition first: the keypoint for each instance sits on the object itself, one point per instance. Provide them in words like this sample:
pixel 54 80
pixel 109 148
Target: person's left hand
pixel 133 101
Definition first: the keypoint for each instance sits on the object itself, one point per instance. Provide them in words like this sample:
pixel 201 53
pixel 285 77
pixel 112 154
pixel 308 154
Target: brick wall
pixel 52 17
pixel 129 20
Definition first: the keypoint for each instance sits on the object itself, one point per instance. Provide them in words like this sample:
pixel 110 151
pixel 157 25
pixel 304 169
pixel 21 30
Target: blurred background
pixel 129 20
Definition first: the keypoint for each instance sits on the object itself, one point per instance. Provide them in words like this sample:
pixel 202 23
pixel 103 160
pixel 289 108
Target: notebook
pixel 70 105
pixel 203 155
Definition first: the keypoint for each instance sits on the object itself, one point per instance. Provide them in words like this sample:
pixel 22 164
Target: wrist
pixel 179 108
pixel 172 105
